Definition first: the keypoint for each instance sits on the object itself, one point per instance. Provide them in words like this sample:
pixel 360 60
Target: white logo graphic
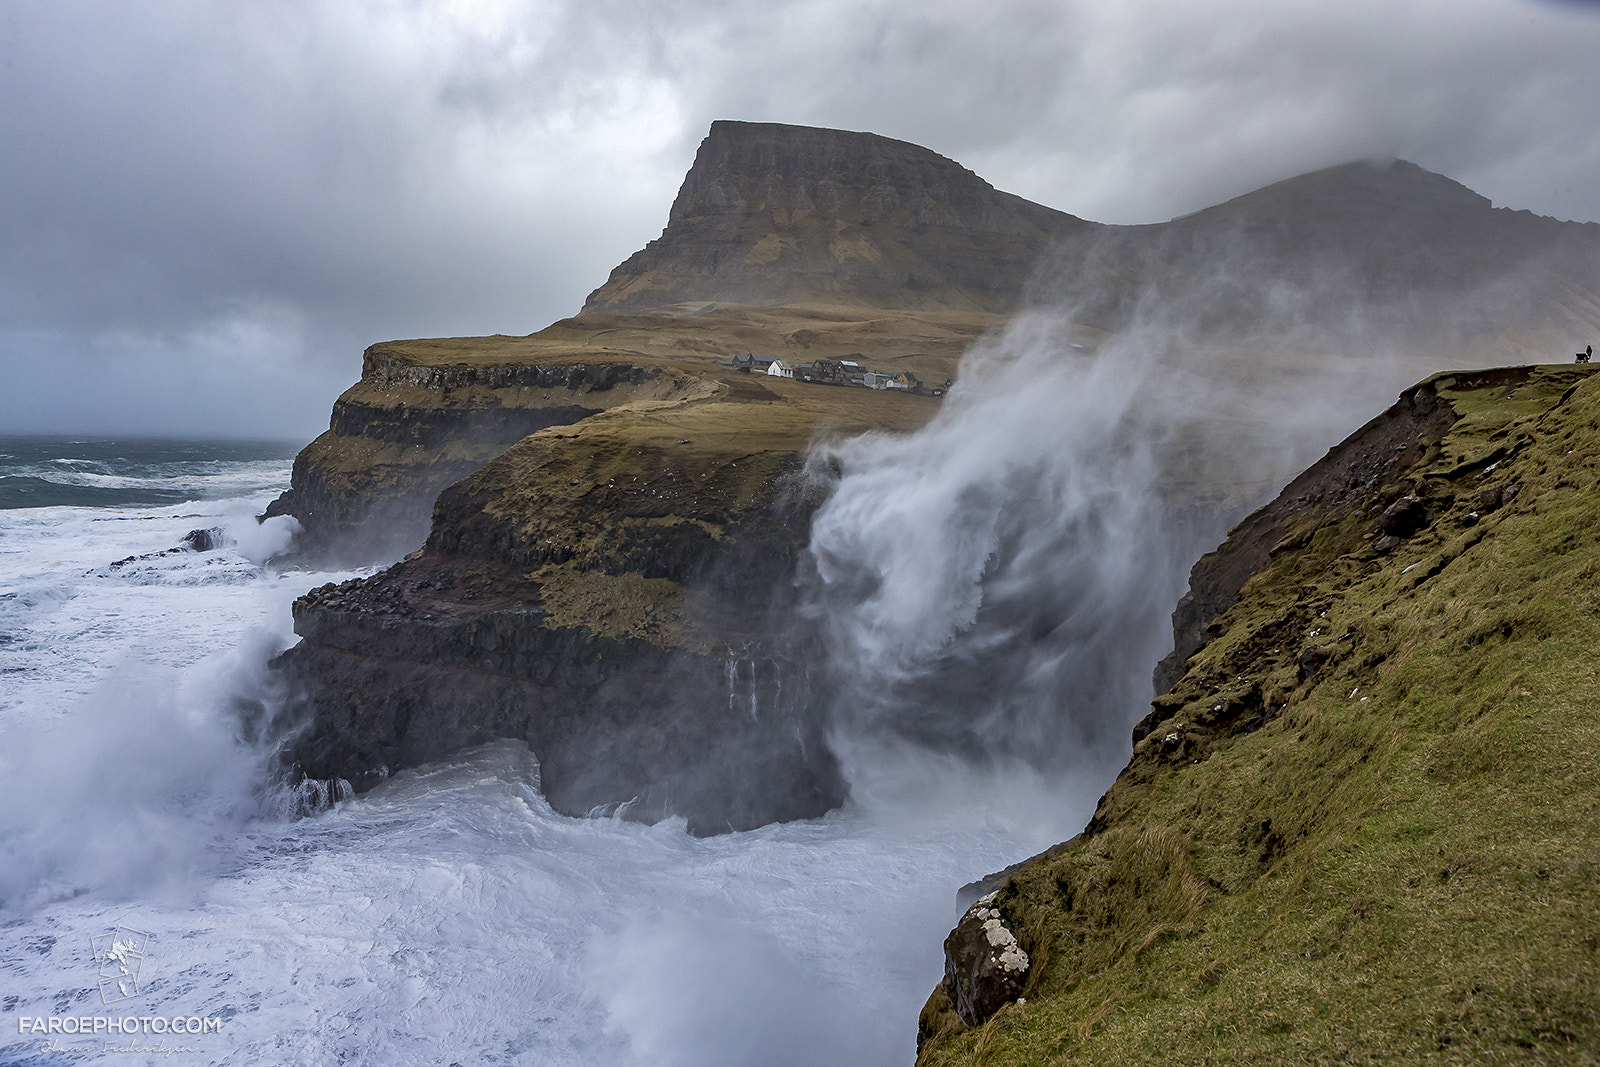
pixel 120 954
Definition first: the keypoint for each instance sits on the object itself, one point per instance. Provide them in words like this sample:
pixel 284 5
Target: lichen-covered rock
pixel 984 965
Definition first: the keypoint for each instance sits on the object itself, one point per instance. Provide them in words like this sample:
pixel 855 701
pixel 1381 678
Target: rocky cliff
pixel 611 511
pixel 427 413
pixel 415 423
pixel 615 593
pixel 791 215
pixel 1362 824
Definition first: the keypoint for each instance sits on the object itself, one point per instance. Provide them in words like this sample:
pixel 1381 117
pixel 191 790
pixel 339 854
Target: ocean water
pixel 448 916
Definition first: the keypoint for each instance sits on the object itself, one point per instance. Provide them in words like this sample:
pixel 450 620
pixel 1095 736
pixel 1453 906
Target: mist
pixel 998 586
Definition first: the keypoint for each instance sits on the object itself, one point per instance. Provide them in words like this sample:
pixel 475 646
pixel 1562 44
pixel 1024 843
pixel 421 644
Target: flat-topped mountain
pixel 779 215
pixel 775 214
pixel 606 514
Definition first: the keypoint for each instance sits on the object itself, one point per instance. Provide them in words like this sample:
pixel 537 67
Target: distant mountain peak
pixel 777 214
pixel 1379 182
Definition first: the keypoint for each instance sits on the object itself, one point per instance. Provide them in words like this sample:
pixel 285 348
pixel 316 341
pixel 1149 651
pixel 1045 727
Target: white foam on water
pixel 450 915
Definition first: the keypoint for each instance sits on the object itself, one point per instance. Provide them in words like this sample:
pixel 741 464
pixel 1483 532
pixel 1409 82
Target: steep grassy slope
pixel 1364 826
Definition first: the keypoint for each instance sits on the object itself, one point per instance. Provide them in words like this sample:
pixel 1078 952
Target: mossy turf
pixel 1402 863
pixel 707 336
pixel 428 412
pixel 599 511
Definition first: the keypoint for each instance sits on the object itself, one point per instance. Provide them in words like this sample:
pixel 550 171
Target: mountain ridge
pixel 562 464
pixel 771 213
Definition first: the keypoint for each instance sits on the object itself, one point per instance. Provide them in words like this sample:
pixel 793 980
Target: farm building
pixel 751 362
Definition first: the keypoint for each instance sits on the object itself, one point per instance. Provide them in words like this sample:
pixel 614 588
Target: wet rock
pixel 1162 708
pixel 1386 544
pixel 1311 660
pixel 984 965
pixel 205 540
pixel 454 646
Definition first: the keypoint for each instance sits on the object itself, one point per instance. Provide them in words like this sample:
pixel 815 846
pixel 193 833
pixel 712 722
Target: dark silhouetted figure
pixel 1586 355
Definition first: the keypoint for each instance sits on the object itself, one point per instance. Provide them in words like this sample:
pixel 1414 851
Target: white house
pixel 780 368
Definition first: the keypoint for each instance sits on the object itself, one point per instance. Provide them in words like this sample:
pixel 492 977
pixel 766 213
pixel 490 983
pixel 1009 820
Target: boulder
pixel 205 540
pixel 1404 517
pixel 984 965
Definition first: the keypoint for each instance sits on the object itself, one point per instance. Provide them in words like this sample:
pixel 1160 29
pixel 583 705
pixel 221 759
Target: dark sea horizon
pixel 85 470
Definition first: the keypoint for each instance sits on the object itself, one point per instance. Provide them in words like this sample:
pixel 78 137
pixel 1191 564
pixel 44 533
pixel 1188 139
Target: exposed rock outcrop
pixel 984 966
pixel 615 593
pixel 413 425
pixel 793 215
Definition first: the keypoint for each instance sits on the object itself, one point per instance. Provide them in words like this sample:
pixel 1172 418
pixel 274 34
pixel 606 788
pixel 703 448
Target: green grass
pixel 1403 866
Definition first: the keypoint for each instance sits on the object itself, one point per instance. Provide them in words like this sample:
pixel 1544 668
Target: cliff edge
pixel 608 511
pixel 1362 824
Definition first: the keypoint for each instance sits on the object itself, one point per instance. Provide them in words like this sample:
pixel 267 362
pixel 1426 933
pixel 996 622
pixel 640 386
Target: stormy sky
pixel 207 210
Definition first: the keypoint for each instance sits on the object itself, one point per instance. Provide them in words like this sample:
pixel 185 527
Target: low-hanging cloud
pixel 374 171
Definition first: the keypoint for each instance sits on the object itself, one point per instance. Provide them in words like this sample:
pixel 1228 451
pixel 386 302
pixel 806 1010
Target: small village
pixel 836 372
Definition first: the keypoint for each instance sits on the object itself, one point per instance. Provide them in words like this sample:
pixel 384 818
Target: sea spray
pixel 994 583
pixel 136 786
pixel 998 584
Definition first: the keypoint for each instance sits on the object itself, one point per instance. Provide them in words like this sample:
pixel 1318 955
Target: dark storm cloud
pixel 1136 111
pixel 209 209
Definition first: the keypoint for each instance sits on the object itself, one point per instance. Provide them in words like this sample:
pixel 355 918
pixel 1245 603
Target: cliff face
pixel 427 413
pixel 774 214
pixel 619 630
pixel 616 593
pixel 610 509
pixel 1361 824
pixel 364 489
